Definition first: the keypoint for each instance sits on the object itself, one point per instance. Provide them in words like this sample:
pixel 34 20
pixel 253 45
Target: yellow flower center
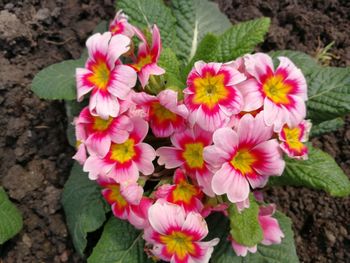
pixel 276 90
pixel 178 243
pixel 100 74
pixel 116 196
pixel 101 124
pixel 243 161
pixel 209 90
pixel 193 155
pixel 292 138
pixel 142 61
pixel 123 152
pixel 161 113
pixel 184 192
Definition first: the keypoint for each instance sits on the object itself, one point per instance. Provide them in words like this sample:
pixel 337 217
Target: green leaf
pixel 244 225
pixel 326 126
pixel 10 218
pixel 306 63
pixel 83 205
pixel 319 172
pixel 57 81
pixel 196 18
pixel 241 39
pixel 146 13
pixel 329 93
pixel 223 252
pixel 120 242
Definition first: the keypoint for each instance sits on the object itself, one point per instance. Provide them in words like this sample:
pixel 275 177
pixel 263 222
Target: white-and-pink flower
pixel 243 157
pixel 148 55
pixel 124 161
pixel 281 92
pixel 211 95
pixel 120 25
pixel 177 236
pixel 104 75
pixel 165 114
pixel 187 152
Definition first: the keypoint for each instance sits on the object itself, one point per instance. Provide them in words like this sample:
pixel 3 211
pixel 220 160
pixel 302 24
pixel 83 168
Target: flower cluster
pixel 167 159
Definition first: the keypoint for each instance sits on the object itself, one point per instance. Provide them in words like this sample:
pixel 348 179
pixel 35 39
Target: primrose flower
pixel 181 193
pixel 188 154
pixel 292 140
pixel 120 25
pixel 147 57
pixel 282 92
pixel 80 134
pixel 177 236
pixel 99 133
pixel 124 160
pixel 272 233
pixel 138 214
pixel 211 96
pixel 165 114
pixel 120 196
pixel 243 156
pixel 104 74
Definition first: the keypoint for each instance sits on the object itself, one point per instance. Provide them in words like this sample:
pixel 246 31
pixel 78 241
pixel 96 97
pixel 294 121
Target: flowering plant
pixel 178 131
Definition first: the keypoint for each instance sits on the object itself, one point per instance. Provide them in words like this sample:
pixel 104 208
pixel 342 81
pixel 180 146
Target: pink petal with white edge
pixel 236 77
pixel 138 215
pixel 118 45
pixel 241 250
pixel 194 223
pixel 252 97
pixel 297 113
pixel 215 156
pixel 147 155
pixel 103 105
pixel 80 156
pixel 273 161
pixel 95 166
pixel 222 179
pixel 156 42
pixel 168 156
pixel 132 192
pixel 210 122
pixel 124 174
pixel 164 215
pixel 140 129
pixel 226 139
pixel 258 65
pixel 122 80
pixel 82 88
pixel 271 230
pixel 238 189
pixel 206 249
pixel 98 144
pixel 257 181
pixel 205 182
pixel 98 43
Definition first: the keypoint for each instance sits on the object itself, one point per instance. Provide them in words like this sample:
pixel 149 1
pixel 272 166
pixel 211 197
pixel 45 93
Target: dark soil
pixel 35 157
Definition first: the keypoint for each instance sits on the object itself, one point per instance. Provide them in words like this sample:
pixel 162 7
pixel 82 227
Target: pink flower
pixel 99 133
pixel 104 74
pixel 243 156
pixel 120 196
pixel 120 25
pixel 293 138
pixel 272 233
pixel 147 58
pixel 124 161
pixel 177 236
pixel 138 214
pixel 165 114
pixel 211 96
pixel 188 154
pixel 80 135
pixel 282 92
pixel 181 193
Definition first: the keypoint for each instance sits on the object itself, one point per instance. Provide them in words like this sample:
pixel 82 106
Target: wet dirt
pixel 35 156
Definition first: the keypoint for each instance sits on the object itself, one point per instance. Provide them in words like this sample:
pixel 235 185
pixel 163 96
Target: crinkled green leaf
pixel 57 81
pixel 83 205
pixel 146 13
pixel 196 18
pixel 223 252
pixel 120 242
pixel 306 63
pixel 329 93
pixel 244 225
pixel 241 39
pixel 326 126
pixel 319 172
pixel 10 218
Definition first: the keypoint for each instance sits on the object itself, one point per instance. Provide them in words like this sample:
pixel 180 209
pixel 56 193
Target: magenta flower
pixel 177 236
pixel 211 96
pixel 104 75
pixel 281 92
pixel 242 157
